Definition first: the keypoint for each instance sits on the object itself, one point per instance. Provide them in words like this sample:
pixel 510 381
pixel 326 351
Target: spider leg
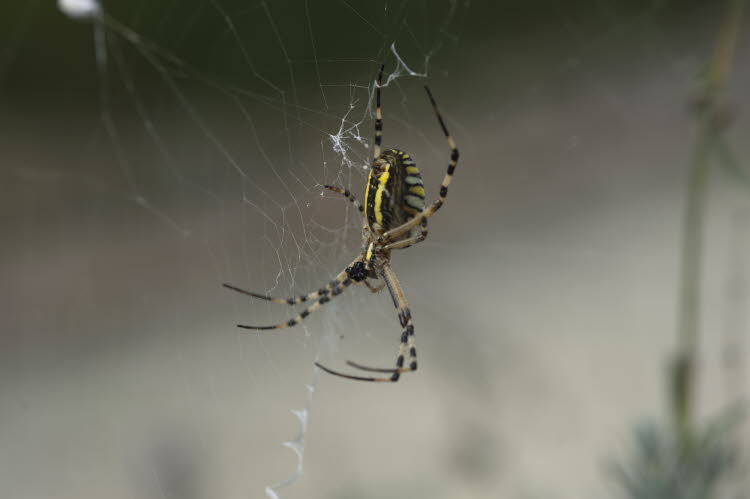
pixel 324 291
pixel 347 194
pixel 349 376
pixel 378 116
pixel 430 210
pixel 407 337
pixel 405 243
pixel 337 290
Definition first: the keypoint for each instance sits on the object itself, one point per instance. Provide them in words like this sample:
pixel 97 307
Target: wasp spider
pixel 394 217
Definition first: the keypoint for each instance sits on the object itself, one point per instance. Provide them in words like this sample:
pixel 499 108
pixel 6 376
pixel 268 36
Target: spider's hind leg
pixel 395 232
pixel 410 241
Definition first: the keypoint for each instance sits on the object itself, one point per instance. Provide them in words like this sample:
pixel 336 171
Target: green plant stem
pixel 711 121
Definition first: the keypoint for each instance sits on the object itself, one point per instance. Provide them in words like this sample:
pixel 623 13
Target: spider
pixel 394 217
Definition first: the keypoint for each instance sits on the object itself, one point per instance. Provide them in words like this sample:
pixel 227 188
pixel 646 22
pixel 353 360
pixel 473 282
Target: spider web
pixel 275 117
pixel 160 149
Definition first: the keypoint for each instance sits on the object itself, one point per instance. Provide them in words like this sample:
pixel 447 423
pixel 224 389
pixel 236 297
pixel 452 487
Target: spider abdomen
pixel 395 191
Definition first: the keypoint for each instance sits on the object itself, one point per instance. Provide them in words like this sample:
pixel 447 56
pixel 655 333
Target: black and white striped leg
pixel 378 116
pixel 430 210
pixel 350 376
pixel 405 243
pixel 347 194
pixel 454 153
pixel 324 291
pixel 337 290
pixel 407 346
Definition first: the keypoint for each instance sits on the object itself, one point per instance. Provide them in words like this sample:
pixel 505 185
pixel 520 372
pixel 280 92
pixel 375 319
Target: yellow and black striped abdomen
pixel 395 191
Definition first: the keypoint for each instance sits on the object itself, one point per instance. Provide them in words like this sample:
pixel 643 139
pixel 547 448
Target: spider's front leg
pixel 322 296
pixel 407 347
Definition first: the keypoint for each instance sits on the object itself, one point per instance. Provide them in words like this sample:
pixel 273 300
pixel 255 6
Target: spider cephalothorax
pixel 394 217
pixel 357 272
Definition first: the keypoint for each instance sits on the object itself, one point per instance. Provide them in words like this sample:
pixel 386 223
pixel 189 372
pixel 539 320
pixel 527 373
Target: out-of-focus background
pixel 169 147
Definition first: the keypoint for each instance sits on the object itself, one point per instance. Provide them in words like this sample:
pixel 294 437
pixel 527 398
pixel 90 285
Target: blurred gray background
pixel 545 298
